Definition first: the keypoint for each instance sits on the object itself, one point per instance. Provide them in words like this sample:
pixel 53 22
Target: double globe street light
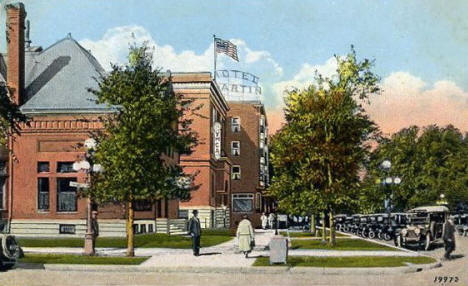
pixel 87 165
pixel 386 165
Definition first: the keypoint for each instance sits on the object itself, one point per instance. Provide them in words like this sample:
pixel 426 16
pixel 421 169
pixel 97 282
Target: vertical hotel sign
pixel 217 140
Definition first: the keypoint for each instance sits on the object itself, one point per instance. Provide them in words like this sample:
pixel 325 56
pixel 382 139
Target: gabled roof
pixel 57 79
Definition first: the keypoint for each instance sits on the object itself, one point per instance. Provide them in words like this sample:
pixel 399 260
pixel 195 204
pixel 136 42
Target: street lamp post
pixel 224 217
pixel 386 165
pixel 89 167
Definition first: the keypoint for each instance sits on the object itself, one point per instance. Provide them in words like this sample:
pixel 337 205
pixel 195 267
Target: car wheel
pixel 387 236
pixel 427 244
pixel 371 234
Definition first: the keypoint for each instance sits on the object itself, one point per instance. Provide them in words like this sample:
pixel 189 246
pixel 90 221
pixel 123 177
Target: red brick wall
pixel 248 160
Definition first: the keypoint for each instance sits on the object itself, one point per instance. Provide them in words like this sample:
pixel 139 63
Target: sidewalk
pixel 222 255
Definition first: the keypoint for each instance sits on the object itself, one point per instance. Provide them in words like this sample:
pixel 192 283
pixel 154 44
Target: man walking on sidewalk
pixel 448 235
pixel 195 231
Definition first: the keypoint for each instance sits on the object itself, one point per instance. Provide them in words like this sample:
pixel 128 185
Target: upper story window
pixel 2 192
pixel 235 148
pixel 43 167
pixel 65 167
pixel 236 172
pixel 235 124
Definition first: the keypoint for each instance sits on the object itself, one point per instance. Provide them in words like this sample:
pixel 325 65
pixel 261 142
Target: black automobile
pixel 355 226
pixel 340 221
pixel 364 225
pixel 348 223
pixel 461 223
pixel 9 252
pixel 373 225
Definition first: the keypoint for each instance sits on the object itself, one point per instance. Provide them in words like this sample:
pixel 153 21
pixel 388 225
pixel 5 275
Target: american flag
pixel 226 47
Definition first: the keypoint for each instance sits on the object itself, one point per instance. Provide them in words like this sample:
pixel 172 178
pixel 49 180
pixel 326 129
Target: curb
pixel 247 270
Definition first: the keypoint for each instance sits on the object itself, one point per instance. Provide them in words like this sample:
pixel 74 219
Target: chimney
pixel 15 43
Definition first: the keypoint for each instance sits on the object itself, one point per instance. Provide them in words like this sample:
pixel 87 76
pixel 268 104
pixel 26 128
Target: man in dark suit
pixel 448 235
pixel 195 231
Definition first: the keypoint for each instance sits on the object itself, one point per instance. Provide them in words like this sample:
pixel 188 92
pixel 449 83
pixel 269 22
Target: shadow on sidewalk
pixel 210 253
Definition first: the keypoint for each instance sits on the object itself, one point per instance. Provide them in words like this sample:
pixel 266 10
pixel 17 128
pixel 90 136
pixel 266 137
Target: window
pixel 235 124
pixel 258 201
pixel 43 194
pixel 242 202
pixel 66 195
pixel 43 167
pixel 236 172
pixel 65 167
pixel 3 168
pixel 2 192
pixel 143 205
pixel 235 148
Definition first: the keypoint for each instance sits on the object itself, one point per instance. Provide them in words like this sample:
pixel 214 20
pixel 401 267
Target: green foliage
pixel 430 161
pixel 147 123
pixel 318 153
pixel 10 116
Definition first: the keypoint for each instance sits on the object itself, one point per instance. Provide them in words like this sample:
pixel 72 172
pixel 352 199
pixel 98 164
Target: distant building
pixel 247 140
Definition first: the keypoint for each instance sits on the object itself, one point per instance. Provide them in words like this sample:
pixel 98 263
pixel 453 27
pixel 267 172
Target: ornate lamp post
pixel 89 167
pixel 386 165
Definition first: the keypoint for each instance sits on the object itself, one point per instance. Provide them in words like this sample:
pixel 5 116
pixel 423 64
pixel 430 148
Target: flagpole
pixel 214 56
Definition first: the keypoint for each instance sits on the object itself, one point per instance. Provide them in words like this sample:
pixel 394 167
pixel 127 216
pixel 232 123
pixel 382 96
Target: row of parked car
pixel 420 226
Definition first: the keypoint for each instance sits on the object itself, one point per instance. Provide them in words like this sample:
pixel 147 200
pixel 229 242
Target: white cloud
pixel 408 100
pixel 113 48
pixel 305 77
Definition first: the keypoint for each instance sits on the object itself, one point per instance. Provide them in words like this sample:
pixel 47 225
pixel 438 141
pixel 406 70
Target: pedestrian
pixel 94 229
pixel 195 232
pixel 271 220
pixel 264 220
pixel 245 236
pixel 448 235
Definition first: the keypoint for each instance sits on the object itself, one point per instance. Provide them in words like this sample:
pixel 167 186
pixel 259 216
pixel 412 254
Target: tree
pixel 318 153
pixel 147 124
pixel 431 161
pixel 10 116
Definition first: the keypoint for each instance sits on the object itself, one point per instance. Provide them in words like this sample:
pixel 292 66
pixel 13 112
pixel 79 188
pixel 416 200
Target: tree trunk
pixel 313 226
pixel 324 229
pixel 332 230
pixel 130 234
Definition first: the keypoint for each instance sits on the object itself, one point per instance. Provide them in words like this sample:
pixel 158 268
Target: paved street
pixel 456 267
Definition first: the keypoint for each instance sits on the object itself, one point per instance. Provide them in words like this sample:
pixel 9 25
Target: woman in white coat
pixel 245 236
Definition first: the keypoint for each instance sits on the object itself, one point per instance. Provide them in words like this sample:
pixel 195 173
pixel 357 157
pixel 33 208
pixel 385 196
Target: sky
pixel 419 47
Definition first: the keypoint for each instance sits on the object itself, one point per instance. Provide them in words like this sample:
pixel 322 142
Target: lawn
pixel 341 244
pixel 309 234
pixel 159 240
pixel 80 259
pixel 354 261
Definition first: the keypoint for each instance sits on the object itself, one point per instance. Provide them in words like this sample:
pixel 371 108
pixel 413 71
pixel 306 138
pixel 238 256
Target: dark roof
pixel 57 79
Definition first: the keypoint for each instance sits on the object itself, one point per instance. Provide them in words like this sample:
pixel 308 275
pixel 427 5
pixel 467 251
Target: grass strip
pixel 354 261
pixel 341 244
pixel 159 240
pixel 80 259
pixel 309 234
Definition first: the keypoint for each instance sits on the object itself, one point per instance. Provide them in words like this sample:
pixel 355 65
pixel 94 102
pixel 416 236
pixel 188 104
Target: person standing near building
pixel 245 236
pixel 448 235
pixel 264 220
pixel 195 231
pixel 271 220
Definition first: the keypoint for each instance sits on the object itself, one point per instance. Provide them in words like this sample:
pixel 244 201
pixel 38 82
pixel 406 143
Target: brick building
pixel 208 162
pixel 247 136
pixel 51 88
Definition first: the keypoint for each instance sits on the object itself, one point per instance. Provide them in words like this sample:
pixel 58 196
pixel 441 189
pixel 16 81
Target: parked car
pixel 340 221
pixel 461 223
pixel 424 227
pixel 10 251
pixel 355 225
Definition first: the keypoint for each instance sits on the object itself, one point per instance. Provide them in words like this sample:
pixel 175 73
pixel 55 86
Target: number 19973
pixel 446 279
